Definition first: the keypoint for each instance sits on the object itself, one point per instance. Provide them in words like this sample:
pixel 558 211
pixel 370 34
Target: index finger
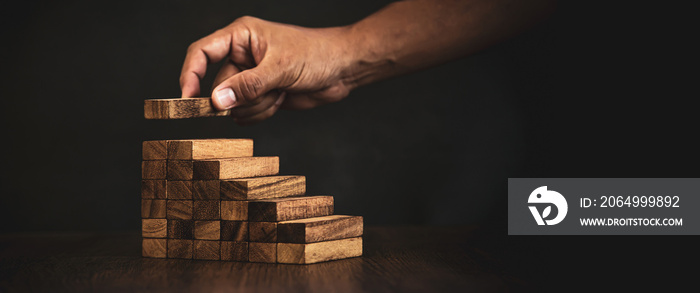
pixel 210 49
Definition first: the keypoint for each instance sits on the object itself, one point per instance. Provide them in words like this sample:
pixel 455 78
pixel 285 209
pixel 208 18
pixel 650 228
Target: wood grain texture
pixel 207 230
pixel 234 231
pixel 179 170
pixel 205 189
pixel 153 209
pixel 181 229
pixel 153 189
pixel 152 247
pixel 155 150
pixel 203 149
pixel 153 169
pixel 263 187
pixel 154 228
pixel 180 248
pixel 262 232
pixel 291 208
pixel 207 250
pixel 319 229
pixel 207 210
pixel 179 209
pixel 234 210
pixel 180 108
pixel 294 253
pixel 178 189
pixel 235 168
pixel 262 252
pixel 234 251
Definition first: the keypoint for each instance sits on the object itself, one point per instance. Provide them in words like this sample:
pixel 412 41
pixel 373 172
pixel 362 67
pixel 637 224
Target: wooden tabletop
pixel 396 259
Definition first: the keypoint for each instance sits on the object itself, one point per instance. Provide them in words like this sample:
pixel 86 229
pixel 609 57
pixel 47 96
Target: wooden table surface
pixel 396 259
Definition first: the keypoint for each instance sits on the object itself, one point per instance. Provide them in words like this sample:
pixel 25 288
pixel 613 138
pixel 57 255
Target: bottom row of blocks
pixel 292 253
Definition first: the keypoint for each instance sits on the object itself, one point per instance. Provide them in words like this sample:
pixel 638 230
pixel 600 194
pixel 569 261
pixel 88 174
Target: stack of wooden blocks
pixel 211 199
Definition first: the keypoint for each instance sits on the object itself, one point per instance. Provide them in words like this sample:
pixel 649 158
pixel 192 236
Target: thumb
pixel 245 87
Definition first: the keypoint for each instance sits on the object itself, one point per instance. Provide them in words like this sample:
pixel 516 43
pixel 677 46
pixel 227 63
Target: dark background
pixel 591 92
pixel 597 90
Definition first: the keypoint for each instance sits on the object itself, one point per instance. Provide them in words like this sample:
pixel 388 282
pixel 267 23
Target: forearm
pixel 408 36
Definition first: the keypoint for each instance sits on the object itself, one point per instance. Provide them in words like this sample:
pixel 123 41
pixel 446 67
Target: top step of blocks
pixel 180 108
pixel 197 149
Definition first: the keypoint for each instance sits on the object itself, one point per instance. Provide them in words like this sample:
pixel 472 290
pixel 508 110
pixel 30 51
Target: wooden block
pixel 203 149
pixel 263 187
pixel 234 251
pixel 180 108
pixel 179 209
pixel 153 169
pixel 180 248
pixel 234 231
pixel 262 252
pixel 153 208
pixel 155 150
pixel 294 253
pixel 153 189
pixel 262 231
pixel 181 229
pixel 154 228
pixel 208 250
pixel 291 208
pixel 207 230
pixel 151 247
pixel 178 189
pixel 179 170
pixel 319 229
pixel 234 210
pixel 207 210
pixel 205 189
pixel 235 168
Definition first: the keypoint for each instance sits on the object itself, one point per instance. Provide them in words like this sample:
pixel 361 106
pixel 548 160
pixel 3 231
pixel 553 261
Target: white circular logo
pixel 542 195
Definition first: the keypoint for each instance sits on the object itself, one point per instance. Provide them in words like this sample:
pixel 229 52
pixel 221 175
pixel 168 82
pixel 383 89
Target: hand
pixel 268 66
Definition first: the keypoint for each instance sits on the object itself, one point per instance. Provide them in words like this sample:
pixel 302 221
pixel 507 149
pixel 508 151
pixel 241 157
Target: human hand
pixel 268 66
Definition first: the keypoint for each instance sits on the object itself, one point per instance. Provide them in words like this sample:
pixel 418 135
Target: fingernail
pixel 226 98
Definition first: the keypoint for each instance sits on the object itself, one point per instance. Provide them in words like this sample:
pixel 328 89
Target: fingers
pixel 227 70
pixel 246 87
pixel 210 49
pixel 268 106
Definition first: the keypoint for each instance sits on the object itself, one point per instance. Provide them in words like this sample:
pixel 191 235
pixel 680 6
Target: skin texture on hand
pixel 270 65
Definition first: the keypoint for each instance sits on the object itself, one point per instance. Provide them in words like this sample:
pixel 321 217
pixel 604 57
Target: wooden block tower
pixel 211 199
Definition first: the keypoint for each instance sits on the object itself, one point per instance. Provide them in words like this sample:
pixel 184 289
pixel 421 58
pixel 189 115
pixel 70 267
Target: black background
pixel 597 90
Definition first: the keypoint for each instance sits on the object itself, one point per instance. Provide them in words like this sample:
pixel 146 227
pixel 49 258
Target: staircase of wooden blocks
pixel 211 199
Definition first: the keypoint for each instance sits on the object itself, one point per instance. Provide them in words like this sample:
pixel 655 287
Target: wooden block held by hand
pixel 154 247
pixel 235 168
pixel 153 208
pixel 234 251
pixel 207 230
pixel 262 252
pixel 263 187
pixel 180 108
pixel 153 189
pixel 203 149
pixel 180 248
pixel 319 229
pixel 154 228
pixel 291 208
pixel 262 232
pixel 155 150
pixel 153 169
pixel 294 253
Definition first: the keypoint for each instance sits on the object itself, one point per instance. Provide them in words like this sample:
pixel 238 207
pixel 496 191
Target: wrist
pixel 362 57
